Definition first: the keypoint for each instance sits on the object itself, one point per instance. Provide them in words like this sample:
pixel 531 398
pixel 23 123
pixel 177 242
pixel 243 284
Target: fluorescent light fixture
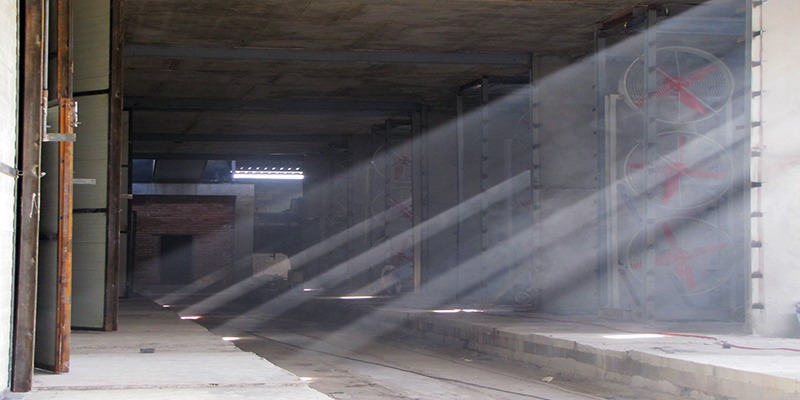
pixel 634 336
pixel 270 175
pixel 306 379
pixel 356 297
pixel 166 306
pixel 191 317
pixel 311 290
pixel 231 338
pixel 267 169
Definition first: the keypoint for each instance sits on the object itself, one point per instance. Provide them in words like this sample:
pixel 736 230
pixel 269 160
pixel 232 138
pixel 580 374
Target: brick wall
pixel 208 219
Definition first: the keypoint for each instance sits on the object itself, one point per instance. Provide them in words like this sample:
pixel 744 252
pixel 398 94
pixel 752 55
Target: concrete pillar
pixel 8 143
pixel 569 186
pixel 778 168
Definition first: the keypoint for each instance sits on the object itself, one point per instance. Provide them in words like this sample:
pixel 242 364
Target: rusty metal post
pixel 461 191
pixel 66 122
pixel 33 102
pixel 110 317
pixel 416 196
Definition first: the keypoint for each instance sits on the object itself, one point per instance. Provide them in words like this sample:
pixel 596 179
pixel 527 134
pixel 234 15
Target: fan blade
pixel 669 236
pixel 404 207
pixel 690 100
pixel 670 78
pixel 681 146
pixel 706 249
pixel 700 74
pixel 671 187
pixel 406 210
pixel 704 174
pixel 679 86
pixel 399 170
pixel 686 273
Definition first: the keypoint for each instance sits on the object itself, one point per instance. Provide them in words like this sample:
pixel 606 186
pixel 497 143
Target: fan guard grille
pixel 690 170
pixel 691 85
pixel 692 257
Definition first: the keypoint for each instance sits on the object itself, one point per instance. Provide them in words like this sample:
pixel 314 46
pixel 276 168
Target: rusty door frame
pixel 66 122
pixel 33 102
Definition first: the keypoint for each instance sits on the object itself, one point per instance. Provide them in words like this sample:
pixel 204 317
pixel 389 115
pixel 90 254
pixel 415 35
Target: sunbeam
pixel 637 205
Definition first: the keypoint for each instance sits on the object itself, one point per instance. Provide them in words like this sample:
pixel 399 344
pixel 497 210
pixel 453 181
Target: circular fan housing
pixel 690 170
pixel 394 163
pixel 691 85
pixel 691 257
pixel 397 206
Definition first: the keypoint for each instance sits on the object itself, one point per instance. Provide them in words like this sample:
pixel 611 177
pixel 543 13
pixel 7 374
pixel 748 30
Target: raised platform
pixel 685 361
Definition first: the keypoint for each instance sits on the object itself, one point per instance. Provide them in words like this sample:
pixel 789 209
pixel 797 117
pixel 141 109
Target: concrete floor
pixel 157 355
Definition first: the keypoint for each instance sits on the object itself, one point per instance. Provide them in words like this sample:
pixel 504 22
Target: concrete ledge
pixel 695 369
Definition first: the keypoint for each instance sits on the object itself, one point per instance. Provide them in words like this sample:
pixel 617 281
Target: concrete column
pixel 778 168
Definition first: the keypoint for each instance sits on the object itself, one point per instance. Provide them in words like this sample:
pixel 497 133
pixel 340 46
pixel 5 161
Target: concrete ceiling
pixel 230 79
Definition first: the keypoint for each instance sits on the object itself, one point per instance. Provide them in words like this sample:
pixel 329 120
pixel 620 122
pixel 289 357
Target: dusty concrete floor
pixel 345 355
pixel 156 355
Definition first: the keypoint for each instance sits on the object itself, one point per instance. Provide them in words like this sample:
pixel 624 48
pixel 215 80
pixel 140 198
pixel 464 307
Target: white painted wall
pixel 778 168
pixel 8 144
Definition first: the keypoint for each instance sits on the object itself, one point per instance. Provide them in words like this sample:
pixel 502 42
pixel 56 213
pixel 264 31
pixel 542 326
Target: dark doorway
pixel 176 259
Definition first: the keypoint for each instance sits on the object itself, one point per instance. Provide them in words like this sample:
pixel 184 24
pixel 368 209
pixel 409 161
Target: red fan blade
pixel 403 207
pixel 399 170
pixel 681 146
pixel 706 249
pixel 691 100
pixel 685 272
pixel 669 236
pixel 671 187
pixel 679 86
pixel 700 74
pixel 704 174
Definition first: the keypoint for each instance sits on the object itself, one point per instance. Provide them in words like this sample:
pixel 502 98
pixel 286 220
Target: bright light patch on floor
pixel 634 336
pixel 192 317
pixel 306 379
pixel 457 310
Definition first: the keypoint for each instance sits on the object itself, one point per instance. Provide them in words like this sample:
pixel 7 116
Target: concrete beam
pixel 375 57
pixel 286 106
pixel 237 138
pixel 227 155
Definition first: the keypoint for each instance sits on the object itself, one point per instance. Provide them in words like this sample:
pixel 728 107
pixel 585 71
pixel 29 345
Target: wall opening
pixel 176 259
